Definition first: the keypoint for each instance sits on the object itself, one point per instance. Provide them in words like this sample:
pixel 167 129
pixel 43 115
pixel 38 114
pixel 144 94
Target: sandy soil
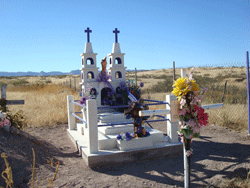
pixel 218 154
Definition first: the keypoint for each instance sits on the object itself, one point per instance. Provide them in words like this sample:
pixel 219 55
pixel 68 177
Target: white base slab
pixel 113 152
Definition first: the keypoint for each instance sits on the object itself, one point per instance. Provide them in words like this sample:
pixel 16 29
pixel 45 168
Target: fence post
pixel 71 109
pixel 135 76
pixel 248 93
pixel 173 71
pixel 92 130
pixel 172 124
pixel 3 95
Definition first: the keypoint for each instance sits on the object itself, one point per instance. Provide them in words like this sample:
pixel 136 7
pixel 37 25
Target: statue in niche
pixel 104 65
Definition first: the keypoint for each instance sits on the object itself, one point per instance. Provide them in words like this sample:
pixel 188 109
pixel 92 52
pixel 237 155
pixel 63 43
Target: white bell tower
pixel 89 71
pixel 116 62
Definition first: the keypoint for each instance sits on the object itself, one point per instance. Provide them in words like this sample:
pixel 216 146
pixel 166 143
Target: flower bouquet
pixel 4 122
pixel 132 88
pixel 192 116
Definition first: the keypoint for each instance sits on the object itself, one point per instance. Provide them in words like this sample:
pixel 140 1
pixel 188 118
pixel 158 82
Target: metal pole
pixel 135 77
pixel 248 94
pixel 186 147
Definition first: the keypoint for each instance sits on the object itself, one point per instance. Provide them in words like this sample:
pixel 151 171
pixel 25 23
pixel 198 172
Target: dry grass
pixel 43 105
pixel 8 173
pixel 233 116
pixel 46 104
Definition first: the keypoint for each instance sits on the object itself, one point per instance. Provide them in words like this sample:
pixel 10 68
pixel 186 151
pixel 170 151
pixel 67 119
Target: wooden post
pixel 75 83
pixel 3 91
pixel 183 73
pixel 92 130
pixel 3 95
pixel 70 83
pixel 173 70
pixel 71 109
pixel 172 124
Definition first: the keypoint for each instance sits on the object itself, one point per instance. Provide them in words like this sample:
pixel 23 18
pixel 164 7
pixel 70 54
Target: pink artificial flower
pixel 1 124
pixel 196 130
pixel 191 123
pixel 188 153
pixel 183 112
pixel 6 122
pixel 182 103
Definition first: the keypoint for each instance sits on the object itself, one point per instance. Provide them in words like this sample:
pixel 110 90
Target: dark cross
pixel 88 31
pixel 116 37
pixel 8 102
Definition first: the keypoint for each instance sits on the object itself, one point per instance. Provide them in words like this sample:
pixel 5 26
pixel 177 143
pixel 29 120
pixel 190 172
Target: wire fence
pixel 226 85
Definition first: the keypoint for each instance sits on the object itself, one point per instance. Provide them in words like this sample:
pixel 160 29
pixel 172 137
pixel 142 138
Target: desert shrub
pixel 20 82
pixel 17 120
pixel 61 76
pixel 162 86
pixel 48 81
pixel 162 76
pixel 145 76
pixel 3 83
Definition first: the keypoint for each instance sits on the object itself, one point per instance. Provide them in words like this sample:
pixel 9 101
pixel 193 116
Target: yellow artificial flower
pixel 182 86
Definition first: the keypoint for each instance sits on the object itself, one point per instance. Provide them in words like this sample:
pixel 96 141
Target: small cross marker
pixel 116 36
pixel 88 31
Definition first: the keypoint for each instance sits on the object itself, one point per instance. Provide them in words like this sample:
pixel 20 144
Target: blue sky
pixel 49 35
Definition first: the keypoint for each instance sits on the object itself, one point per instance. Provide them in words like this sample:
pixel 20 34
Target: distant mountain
pixel 52 73
pixel 42 73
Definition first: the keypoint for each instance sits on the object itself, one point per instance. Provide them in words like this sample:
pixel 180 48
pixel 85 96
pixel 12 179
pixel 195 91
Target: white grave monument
pixel 96 139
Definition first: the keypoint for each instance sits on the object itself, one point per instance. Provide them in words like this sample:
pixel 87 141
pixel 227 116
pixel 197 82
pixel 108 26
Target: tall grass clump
pixel 44 104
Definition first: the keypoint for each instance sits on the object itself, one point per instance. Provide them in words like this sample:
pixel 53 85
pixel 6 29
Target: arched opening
pixel 118 60
pixel 89 61
pixel 82 76
pixel 82 62
pixel 119 100
pixel 90 75
pixel 118 90
pixel 110 61
pixel 118 74
pixel 93 91
pixel 106 96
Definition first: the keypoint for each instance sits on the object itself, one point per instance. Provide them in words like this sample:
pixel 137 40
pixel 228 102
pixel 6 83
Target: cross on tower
pixel 88 31
pixel 116 37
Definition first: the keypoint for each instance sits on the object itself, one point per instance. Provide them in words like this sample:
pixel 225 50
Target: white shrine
pixel 96 136
pixel 89 71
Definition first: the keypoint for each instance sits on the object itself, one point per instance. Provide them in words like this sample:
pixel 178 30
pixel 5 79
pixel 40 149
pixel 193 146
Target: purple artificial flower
pixel 141 84
pixel 123 84
pixel 119 137
pixel 128 136
pixel 139 129
pixel 83 100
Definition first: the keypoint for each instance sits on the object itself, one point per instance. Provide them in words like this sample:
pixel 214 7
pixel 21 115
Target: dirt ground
pixel 218 154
